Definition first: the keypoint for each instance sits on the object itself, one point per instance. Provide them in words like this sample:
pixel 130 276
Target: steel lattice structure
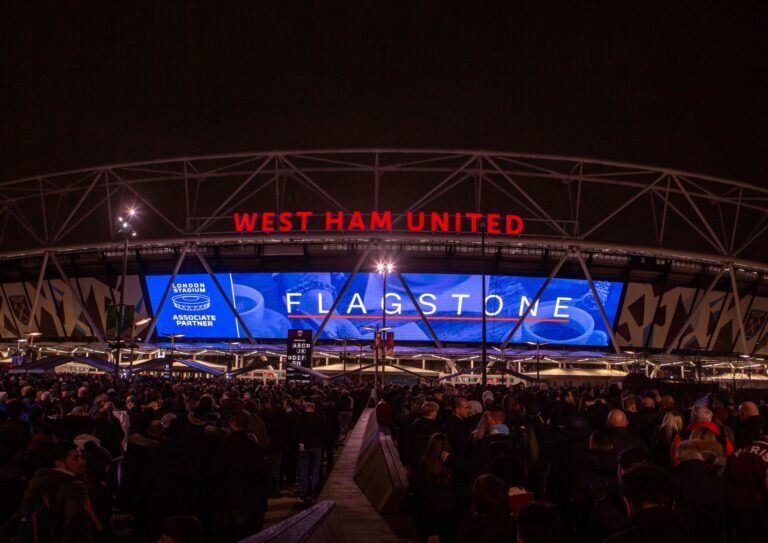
pixel 575 209
pixel 592 204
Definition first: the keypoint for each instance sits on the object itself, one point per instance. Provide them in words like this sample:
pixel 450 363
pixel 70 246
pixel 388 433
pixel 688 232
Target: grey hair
pixel 701 413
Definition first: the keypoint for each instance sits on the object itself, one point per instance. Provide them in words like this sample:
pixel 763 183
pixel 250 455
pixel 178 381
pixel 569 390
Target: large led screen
pixel 272 303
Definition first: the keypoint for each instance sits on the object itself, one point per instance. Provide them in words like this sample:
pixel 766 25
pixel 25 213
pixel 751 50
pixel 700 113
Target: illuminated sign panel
pixel 270 304
pixel 356 221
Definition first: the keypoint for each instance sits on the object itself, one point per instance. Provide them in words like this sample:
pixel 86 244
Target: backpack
pixel 35 524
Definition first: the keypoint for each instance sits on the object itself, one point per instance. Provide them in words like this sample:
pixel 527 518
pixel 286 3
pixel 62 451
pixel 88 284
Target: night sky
pixel 679 84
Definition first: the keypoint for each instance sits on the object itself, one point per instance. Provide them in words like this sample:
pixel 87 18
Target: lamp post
pixel 748 361
pixel 140 322
pixel 344 356
pixel 538 358
pixel 126 231
pixel 377 331
pixel 231 358
pixel 503 360
pixel 482 305
pixel 20 355
pixel 384 268
pixel 169 365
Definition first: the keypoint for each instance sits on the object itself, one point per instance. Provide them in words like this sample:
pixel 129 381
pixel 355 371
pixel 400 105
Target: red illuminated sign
pixel 378 221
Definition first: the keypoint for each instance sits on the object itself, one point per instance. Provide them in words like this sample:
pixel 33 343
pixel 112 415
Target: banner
pixel 299 353
pixel 270 304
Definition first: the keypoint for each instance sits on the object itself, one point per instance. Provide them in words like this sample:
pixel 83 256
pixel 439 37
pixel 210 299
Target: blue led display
pixel 272 303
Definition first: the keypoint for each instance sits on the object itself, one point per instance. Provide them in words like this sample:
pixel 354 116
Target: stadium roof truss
pixel 574 208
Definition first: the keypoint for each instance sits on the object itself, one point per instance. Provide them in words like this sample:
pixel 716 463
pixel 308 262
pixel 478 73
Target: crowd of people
pixel 184 461
pixel 583 464
pixel 198 460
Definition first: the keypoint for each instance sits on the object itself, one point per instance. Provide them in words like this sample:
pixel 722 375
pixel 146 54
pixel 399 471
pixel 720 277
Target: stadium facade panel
pixel 685 252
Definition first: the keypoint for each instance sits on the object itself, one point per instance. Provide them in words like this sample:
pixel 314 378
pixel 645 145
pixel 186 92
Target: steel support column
pixel 678 336
pixel 532 304
pixel 176 267
pixel 424 319
pixel 739 317
pixel 224 295
pixel 608 325
pixel 343 290
pixel 38 288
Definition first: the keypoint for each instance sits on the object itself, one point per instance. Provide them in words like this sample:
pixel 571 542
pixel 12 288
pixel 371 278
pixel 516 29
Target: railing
pixel 362 487
pixel 318 524
pixel 379 472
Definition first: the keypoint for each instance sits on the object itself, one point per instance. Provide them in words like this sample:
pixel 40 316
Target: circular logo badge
pixel 191 302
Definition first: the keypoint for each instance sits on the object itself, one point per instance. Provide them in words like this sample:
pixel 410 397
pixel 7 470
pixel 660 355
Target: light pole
pixel 384 268
pixel 231 358
pixel 538 358
pixel 377 331
pixel 21 355
pixel 126 231
pixel 503 361
pixel 169 365
pixel 140 322
pixel 482 306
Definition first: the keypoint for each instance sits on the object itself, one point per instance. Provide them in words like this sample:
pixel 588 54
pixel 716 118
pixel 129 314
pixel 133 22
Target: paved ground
pixel 360 521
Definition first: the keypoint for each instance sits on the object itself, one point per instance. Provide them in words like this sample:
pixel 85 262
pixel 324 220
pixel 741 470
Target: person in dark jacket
pixel 182 529
pixel 310 439
pixel 751 425
pixel 754 525
pixel 290 457
pixel 71 517
pixel 649 495
pixel 538 522
pixel 489 520
pixel 14 433
pixel 331 432
pixel 418 434
pixel 706 501
pixel 139 457
pixel 595 469
pixel 621 437
pixel 746 469
pixel 609 514
pixel 176 472
pixel 457 430
pixel 256 426
pixel 434 489
pixel 240 482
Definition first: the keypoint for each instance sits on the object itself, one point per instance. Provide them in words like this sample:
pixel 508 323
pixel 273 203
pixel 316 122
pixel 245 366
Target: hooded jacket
pixel 69 506
pixel 723 439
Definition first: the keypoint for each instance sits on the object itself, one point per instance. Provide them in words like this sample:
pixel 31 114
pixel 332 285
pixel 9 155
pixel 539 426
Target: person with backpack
pixel 56 505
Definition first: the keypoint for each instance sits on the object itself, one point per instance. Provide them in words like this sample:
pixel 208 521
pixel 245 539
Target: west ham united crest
pixel 754 323
pixel 20 308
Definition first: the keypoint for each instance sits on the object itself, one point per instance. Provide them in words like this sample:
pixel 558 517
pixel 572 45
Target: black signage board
pixel 299 354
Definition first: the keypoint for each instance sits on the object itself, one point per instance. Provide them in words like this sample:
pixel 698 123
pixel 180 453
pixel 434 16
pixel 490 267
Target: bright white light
pixel 131 212
pixel 119 219
pixel 385 267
